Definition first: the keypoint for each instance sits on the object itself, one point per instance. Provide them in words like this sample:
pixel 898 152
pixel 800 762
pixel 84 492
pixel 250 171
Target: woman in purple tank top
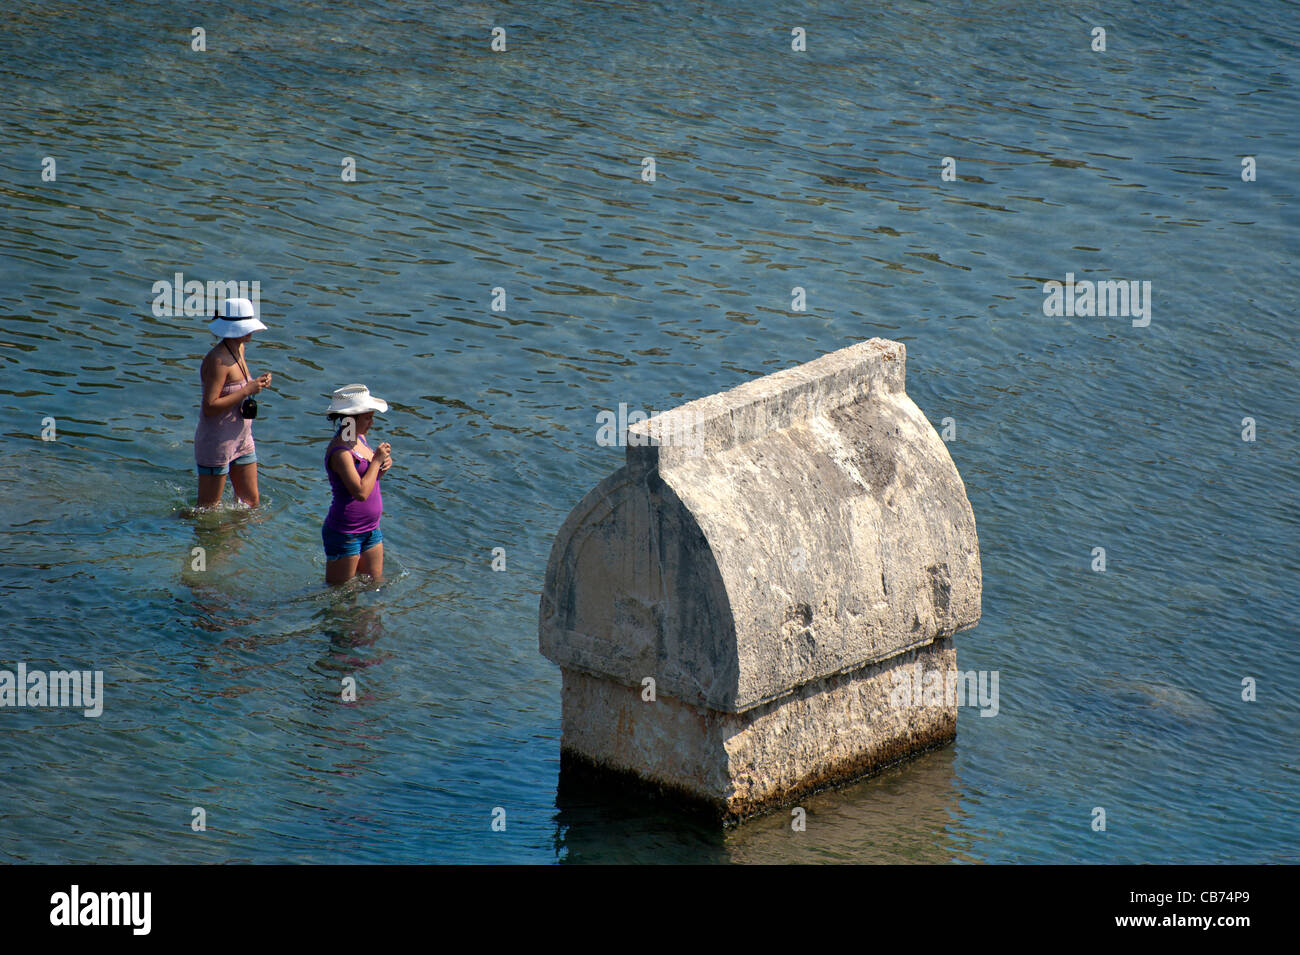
pixel 353 542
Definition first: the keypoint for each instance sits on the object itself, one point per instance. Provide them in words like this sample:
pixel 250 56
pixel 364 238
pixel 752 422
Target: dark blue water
pixel 521 170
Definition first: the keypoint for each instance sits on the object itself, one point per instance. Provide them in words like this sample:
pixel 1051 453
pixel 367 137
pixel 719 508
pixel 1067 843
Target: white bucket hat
pixel 355 399
pixel 238 318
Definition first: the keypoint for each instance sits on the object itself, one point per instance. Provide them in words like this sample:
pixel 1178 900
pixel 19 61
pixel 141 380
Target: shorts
pixel 250 458
pixel 338 544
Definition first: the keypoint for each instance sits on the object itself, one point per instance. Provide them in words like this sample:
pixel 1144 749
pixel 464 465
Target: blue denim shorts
pixel 250 458
pixel 338 544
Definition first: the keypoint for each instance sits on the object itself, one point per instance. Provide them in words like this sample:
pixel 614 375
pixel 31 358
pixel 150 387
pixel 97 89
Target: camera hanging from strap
pixel 248 407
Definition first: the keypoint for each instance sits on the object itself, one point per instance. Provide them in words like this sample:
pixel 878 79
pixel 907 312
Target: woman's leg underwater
pixel 341 569
pixel 372 561
pixel 211 487
pixel 243 478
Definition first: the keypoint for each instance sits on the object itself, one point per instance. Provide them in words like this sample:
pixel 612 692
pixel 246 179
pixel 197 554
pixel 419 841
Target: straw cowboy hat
pixel 355 399
pixel 237 319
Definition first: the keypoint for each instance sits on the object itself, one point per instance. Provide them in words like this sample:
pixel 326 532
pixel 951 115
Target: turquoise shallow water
pixel 521 170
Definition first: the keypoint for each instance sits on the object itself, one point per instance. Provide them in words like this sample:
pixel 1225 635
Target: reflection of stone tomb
pixel 769 578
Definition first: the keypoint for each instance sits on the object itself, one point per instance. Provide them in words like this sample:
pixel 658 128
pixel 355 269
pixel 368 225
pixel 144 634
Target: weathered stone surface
pixel 765 556
pixel 743 763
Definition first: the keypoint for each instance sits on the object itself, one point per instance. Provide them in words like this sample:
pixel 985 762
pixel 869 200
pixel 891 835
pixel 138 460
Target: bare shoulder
pixel 216 358
pixel 217 364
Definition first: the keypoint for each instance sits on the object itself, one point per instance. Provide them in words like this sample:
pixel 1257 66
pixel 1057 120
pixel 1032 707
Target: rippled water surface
pixel 521 170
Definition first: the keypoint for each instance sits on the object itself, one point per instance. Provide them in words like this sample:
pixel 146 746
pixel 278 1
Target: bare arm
pixel 214 379
pixel 358 485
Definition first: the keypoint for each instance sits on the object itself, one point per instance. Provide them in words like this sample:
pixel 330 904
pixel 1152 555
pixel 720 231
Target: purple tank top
pixel 348 515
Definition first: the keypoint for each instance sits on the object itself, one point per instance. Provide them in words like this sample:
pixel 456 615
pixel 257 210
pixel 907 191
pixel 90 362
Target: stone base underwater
pixel 731 766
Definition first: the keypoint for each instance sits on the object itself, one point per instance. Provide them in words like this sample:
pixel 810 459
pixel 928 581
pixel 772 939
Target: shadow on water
pixel 904 815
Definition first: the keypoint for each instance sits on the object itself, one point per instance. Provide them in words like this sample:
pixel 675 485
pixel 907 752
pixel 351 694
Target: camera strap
pixel 238 361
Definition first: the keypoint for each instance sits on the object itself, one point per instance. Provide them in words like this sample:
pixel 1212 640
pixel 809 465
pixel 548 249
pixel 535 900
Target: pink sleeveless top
pixel 221 438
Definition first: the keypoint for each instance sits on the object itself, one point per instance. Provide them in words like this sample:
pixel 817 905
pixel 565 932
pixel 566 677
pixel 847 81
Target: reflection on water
pixel 350 626
pixel 211 564
pixel 907 814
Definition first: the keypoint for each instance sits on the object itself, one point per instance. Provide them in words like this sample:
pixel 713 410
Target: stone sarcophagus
pixel 732 610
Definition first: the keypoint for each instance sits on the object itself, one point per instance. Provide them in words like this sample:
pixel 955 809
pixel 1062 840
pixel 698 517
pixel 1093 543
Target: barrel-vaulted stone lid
pixel 807 523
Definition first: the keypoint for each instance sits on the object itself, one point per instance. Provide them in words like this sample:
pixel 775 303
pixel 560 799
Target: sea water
pixel 918 173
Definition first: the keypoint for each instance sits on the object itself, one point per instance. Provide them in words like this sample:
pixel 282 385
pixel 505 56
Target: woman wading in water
pixel 223 441
pixel 353 542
